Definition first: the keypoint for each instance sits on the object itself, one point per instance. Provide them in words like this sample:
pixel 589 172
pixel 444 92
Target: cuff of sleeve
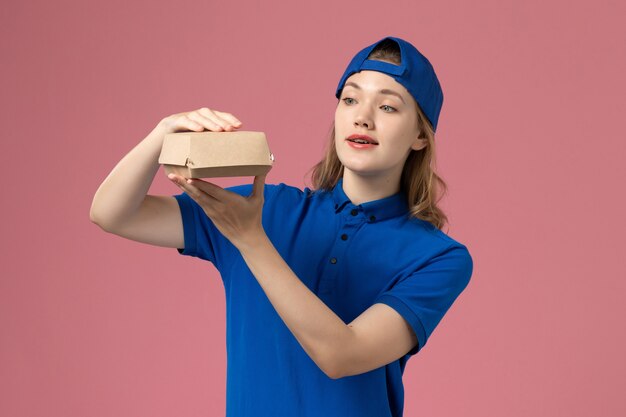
pixel 409 316
pixel 189 227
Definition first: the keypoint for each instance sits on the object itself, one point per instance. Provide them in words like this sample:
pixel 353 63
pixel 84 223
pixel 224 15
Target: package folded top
pixel 216 154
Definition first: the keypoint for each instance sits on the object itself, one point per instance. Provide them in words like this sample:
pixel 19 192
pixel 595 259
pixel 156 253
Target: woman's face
pixel 376 105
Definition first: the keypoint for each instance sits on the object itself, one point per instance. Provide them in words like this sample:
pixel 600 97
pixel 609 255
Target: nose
pixel 363 119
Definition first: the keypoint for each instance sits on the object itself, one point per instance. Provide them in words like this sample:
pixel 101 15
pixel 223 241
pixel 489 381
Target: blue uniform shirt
pixel 350 256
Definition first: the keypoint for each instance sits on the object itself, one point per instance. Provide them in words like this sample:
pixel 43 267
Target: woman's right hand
pixel 199 120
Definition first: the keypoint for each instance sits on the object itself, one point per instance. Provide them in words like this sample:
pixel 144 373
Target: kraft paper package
pixel 216 154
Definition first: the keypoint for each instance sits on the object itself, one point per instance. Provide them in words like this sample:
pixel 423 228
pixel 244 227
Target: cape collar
pixel 376 210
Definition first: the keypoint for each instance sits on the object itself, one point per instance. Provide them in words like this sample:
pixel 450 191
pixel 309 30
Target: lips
pixel 353 138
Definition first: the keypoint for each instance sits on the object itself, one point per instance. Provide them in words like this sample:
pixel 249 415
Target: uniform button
pixel 333 260
pixel 354 212
pixel 344 237
pixel 372 218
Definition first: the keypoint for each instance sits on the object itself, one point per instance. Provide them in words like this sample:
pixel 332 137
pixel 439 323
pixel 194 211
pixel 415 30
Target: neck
pixel 361 189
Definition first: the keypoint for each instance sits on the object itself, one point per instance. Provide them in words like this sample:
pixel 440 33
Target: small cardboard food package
pixel 216 154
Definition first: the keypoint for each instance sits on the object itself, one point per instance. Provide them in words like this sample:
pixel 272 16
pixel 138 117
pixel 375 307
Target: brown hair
pixel 419 181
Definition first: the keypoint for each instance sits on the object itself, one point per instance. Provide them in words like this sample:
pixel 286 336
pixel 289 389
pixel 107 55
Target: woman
pixel 328 291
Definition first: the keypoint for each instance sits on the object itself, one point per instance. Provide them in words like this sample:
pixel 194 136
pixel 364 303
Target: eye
pixel 345 100
pixel 385 107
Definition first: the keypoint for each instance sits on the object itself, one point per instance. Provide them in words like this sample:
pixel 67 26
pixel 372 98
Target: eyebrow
pixel 383 91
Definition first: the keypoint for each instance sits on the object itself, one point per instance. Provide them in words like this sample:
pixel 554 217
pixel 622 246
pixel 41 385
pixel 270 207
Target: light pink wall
pixel 531 143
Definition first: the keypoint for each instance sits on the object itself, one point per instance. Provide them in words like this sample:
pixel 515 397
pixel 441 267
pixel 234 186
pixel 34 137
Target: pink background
pixel 530 142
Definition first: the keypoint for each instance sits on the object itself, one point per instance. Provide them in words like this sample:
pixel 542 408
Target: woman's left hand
pixel 235 216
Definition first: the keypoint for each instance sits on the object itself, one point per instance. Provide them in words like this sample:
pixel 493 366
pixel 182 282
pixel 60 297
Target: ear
pixel 419 143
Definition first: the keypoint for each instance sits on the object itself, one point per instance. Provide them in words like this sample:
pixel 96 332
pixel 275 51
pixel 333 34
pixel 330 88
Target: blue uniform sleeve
pixel 424 296
pixel 202 239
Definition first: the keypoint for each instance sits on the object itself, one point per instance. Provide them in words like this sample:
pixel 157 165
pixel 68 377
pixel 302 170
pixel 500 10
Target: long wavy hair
pixel 419 181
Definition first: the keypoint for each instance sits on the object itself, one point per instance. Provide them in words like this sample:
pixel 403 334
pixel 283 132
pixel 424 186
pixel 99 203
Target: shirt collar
pixel 375 210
